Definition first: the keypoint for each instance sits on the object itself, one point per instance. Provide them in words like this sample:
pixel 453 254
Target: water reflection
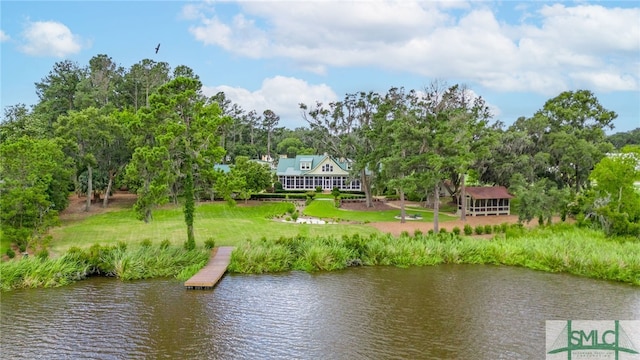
pixel 446 312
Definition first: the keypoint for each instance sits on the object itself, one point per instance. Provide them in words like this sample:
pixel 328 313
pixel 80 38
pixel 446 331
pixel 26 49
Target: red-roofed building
pixel 483 200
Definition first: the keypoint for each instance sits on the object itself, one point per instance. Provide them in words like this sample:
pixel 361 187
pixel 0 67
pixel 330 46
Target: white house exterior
pixel 306 172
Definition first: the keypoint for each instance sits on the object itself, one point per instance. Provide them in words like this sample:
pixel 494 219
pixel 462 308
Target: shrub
pixel 210 243
pixel 417 232
pixel 295 215
pixel 430 232
pixel 10 253
pixel 404 233
pixel 496 229
pixel 318 189
pixel 443 231
pixel 468 230
pixel 540 220
pixel 488 229
pixel 479 230
pixel 503 227
pixel 146 243
pixel 456 230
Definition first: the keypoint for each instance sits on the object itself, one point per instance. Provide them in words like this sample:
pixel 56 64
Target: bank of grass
pixel 121 261
pixel 558 248
pixel 326 210
pixel 227 225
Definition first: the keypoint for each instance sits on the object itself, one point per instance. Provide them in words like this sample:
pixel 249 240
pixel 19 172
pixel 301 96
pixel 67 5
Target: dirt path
pixel 396 227
pixel 76 209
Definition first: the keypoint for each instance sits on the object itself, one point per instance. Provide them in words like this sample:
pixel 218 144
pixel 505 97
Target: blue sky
pixel 276 54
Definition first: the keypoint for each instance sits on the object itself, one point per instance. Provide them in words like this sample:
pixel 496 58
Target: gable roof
pixel 291 166
pixel 488 192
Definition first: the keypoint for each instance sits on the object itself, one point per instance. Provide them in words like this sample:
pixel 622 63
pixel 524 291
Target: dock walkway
pixel 211 273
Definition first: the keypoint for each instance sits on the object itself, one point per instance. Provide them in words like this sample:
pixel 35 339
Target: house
pixel 485 200
pixel 306 172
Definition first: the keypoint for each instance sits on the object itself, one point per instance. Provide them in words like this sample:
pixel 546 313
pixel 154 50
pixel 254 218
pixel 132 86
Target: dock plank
pixel 211 273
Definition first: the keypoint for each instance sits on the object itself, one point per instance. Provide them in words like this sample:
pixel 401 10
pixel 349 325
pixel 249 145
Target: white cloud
pixel 280 94
pixel 4 37
pixel 549 49
pixel 50 38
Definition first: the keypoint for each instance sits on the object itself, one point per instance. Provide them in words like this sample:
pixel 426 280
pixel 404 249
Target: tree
pixel 19 121
pixel 87 133
pixel 142 80
pixel 269 122
pixel 35 177
pixel 617 202
pixel 542 198
pixel 574 124
pixel 255 177
pixel 113 157
pixel 98 89
pixel 619 140
pixel 341 128
pixel 290 146
pixel 58 90
pixel 176 136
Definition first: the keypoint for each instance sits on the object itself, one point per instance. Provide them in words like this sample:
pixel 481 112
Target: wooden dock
pixel 211 273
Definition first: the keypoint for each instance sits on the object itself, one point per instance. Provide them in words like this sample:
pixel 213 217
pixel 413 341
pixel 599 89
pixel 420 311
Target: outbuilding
pixel 487 200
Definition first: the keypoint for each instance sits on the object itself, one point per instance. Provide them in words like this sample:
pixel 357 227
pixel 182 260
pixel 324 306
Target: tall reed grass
pixel 142 262
pixel 553 249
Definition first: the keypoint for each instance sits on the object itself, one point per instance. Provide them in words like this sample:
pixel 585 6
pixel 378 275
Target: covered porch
pixel 483 201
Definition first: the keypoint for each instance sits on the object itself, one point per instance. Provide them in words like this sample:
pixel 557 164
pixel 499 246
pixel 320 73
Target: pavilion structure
pixel 487 200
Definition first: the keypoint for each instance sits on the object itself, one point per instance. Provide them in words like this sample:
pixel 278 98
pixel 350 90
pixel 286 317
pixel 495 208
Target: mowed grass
pixel 227 225
pixel 326 210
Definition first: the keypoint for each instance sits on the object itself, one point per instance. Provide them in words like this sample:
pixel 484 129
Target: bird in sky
pixel 157 48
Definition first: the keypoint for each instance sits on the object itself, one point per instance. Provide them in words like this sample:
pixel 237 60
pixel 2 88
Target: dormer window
pixel 327 168
pixel 305 165
pixel 347 166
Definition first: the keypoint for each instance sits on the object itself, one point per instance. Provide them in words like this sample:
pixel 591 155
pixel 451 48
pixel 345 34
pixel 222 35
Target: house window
pixel 347 166
pixel 327 168
pixel 305 165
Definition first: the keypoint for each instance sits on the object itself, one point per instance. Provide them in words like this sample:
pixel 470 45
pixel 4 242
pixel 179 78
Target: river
pixel 435 312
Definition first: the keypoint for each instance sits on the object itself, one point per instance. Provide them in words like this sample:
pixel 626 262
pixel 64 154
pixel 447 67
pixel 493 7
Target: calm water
pixel 439 312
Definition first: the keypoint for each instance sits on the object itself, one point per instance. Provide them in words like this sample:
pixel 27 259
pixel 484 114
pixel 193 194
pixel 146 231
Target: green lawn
pixel 226 225
pixel 325 209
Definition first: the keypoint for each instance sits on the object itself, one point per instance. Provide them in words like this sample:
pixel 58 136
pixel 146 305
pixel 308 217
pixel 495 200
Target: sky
pixel 274 55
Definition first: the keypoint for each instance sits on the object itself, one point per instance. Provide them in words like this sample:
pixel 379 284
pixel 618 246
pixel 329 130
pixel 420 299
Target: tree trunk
pixel 89 187
pixel 577 180
pixel 436 207
pixel 364 181
pixel 402 210
pixel 105 202
pixel 463 200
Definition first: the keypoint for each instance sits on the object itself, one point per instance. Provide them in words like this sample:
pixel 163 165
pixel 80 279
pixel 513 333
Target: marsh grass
pixel 553 249
pixel 125 263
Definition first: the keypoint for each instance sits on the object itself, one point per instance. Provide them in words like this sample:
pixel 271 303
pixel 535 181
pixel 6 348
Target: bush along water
pixel 142 262
pixel 554 248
